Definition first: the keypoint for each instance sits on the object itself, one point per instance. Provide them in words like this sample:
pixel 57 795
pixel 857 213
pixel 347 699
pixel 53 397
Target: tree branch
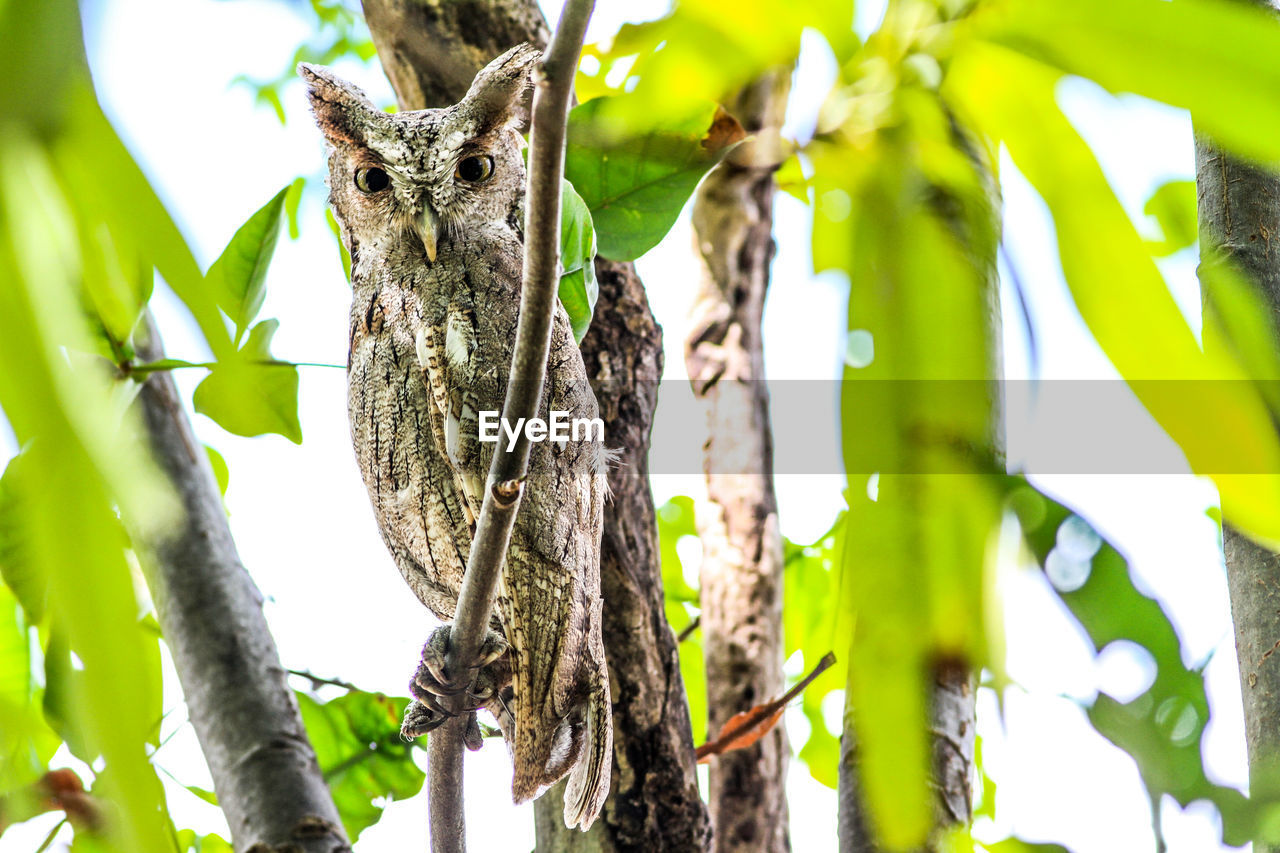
pixel 264 770
pixel 552 94
pixel 1239 214
pixel 431 50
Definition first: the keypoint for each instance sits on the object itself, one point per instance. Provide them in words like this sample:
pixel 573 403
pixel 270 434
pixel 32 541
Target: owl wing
pixel 445 355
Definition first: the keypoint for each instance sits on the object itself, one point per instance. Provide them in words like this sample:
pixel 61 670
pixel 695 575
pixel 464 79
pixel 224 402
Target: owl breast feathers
pixel 430 206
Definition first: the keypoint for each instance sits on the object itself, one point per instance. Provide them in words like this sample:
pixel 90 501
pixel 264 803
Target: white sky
pixel 337 605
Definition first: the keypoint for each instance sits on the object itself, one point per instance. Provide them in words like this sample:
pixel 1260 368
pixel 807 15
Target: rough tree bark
pixel 1239 212
pixel 431 50
pixel 264 770
pixel 954 720
pixel 742 563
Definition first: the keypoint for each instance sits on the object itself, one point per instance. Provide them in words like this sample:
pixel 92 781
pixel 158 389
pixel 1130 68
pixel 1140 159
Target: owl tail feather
pixel 589 779
pixel 581 746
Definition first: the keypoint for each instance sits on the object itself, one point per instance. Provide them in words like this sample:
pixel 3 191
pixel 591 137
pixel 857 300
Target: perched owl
pixel 430 205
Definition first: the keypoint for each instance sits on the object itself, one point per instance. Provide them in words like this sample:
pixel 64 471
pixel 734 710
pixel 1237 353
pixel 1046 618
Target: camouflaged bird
pixel 430 205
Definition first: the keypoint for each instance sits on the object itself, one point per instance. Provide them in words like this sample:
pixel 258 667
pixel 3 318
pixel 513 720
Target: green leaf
pixel 676 521
pixel 251 393
pixel 578 287
pixel 204 793
pixel 904 210
pixel 357 741
pixel 1117 287
pixel 17 564
pixel 238 277
pixel 810 590
pixel 292 200
pixel 1173 206
pixel 1213 58
pixel 92 470
pixel 635 175
pixel 191 842
pixel 342 247
pixel 1162 729
pixel 26 741
pixel 221 472
pixel 111 191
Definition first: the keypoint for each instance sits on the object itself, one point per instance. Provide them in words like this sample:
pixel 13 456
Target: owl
pixel 430 205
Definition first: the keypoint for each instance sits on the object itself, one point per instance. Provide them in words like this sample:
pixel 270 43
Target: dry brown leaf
pixel 746 727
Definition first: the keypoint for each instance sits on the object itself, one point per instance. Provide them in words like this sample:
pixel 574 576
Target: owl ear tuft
pixel 499 96
pixel 344 114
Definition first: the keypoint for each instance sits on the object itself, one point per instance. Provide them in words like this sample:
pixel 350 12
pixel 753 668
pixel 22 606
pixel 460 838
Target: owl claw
pixel 429 684
pixel 420 719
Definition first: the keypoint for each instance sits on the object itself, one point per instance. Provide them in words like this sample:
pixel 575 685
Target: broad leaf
pixel 238 278
pixel 1173 206
pixel 357 742
pixel 1214 58
pixel 251 393
pixel 1163 729
pixel 578 287
pixel 636 172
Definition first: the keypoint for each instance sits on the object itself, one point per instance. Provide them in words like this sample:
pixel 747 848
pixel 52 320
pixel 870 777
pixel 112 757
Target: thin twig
pixel 689 629
pixel 317 680
pixel 553 90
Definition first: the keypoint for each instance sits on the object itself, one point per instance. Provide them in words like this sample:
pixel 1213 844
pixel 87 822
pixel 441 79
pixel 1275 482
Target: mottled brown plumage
pixel 430 205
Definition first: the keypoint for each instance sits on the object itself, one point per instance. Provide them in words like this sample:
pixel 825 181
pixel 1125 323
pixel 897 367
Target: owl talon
pixel 431 675
pixel 419 719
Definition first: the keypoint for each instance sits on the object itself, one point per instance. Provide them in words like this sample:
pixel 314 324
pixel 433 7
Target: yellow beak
pixel 428 227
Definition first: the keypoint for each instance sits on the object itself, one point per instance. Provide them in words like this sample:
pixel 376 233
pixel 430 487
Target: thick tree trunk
pixel 1239 211
pixel 954 715
pixel 742 563
pixel 431 51
pixel 264 770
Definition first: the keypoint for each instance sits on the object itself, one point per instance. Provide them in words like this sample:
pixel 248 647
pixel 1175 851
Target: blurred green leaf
pixel 1162 729
pixel 62 411
pixel 808 621
pixel 1213 58
pixel 904 207
pixel 189 841
pixel 1173 206
pixel 676 521
pixel 237 279
pixel 1226 427
pixel 221 472
pixel 635 171
pixel 252 394
pixel 706 50
pixel 17 565
pixel 357 741
pixel 111 191
pixel 204 793
pixel 578 287
pixel 342 247
pixel 292 200
pixel 26 741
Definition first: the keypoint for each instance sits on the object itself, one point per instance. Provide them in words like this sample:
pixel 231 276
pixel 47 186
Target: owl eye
pixel 371 180
pixel 476 168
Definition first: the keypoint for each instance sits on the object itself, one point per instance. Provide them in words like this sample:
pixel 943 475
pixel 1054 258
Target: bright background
pixel 164 70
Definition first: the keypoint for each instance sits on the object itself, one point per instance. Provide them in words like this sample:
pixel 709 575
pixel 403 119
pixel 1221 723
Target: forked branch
pixel 553 79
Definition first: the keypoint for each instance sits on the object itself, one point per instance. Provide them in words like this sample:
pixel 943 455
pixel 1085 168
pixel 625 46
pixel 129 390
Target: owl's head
pixel 422 178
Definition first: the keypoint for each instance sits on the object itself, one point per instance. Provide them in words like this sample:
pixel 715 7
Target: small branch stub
pixel 508 493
